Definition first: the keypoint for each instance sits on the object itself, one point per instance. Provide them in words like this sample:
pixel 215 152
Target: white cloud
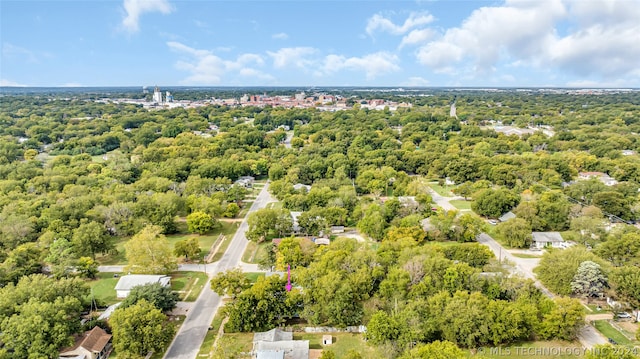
pixel 373 65
pixel 9 83
pixel 135 8
pixel 380 23
pixel 206 68
pixel 12 51
pixel 293 56
pixel 280 36
pixel 256 74
pixel 416 37
pixel 597 38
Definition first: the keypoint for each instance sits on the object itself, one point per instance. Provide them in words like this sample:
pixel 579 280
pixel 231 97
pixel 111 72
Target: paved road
pixel 187 342
pixel 287 141
pixel 443 201
pixel 588 335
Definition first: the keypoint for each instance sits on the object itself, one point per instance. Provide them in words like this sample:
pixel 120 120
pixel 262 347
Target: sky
pixel 501 43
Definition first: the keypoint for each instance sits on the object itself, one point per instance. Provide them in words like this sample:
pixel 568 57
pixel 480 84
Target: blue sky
pixel 577 43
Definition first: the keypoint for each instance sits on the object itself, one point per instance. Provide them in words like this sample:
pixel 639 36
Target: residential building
pixel 278 344
pixel 542 240
pixel 507 216
pixel 94 344
pixel 127 282
pixel 602 177
pixel 294 219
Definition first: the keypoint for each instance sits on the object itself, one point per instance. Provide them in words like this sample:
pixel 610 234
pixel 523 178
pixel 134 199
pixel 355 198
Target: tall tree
pixel 140 329
pixel 589 280
pixel 160 296
pixel 516 232
pixel 150 252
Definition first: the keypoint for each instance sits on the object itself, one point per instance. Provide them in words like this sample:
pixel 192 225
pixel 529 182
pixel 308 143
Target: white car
pixel 623 315
pixel 493 222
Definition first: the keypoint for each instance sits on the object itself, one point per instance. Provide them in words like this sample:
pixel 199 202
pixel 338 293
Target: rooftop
pixel 127 282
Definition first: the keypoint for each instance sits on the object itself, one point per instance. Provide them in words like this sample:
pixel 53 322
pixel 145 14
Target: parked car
pixel 623 315
pixel 612 341
pixel 493 222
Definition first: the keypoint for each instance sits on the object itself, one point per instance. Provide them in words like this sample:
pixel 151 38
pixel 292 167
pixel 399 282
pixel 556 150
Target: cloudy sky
pixel 577 43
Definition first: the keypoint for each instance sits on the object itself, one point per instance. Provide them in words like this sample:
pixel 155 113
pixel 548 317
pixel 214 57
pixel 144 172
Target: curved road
pixel 187 342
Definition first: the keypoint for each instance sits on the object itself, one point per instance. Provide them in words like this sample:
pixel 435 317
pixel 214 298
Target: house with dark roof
pixel 94 344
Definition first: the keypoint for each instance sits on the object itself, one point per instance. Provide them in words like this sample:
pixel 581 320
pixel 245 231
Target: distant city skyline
pixel 512 43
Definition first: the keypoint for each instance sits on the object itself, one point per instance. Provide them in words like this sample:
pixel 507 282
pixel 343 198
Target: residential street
pixel 187 342
pixel 588 336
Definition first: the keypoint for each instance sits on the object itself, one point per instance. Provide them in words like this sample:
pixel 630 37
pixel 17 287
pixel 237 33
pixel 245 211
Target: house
pixel 408 201
pixel 510 130
pixel 127 282
pixel 426 225
pixel 507 216
pixel 322 241
pixel 245 181
pixel 278 344
pixel 602 177
pixel 299 186
pixel 337 229
pixel 547 239
pixel 94 344
pixel 294 219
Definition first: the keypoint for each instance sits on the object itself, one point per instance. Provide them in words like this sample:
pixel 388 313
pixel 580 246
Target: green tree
pixel 91 238
pixel 40 329
pixel 230 282
pixel 200 222
pixel 516 232
pixel 268 221
pixel 265 305
pixel 563 321
pixel 189 248
pixel 373 223
pixel 625 281
pixel 589 280
pixel 87 267
pixel 140 329
pixel 558 268
pixel 150 252
pixel 160 296
pixel 553 208
pixel 493 203
pixel 231 211
pixel 435 350
pixel 382 328
pixel 328 354
pixel 621 249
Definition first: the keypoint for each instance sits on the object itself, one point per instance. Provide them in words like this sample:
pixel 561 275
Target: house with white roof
pixel 127 282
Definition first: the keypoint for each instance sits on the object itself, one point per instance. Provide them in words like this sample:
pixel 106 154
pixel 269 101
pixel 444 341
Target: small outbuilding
pixel 327 340
pixel 547 239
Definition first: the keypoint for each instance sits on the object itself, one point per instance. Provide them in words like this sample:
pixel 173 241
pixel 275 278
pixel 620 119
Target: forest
pixel 77 177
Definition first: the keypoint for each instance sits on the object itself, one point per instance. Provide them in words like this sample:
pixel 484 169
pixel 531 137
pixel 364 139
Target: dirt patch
pixel 628 326
pixel 315 353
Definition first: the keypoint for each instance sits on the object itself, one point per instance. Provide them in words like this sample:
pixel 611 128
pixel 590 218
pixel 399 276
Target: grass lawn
pixel 537 349
pixel 253 276
pixel 444 191
pixel 255 252
pixel 603 308
pixel 342 343
pixel 274 205
pixel 119 258
pixel 103 288
pixel 524 255
pixel 460 204
pixel 232 344
pixel 608 331
pixel 190 284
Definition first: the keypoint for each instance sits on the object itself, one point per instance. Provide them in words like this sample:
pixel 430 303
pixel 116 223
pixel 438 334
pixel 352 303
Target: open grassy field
pixel 608 331
pixel 443 190
pixel 342 344
pixel 206 241
pixel 103 288
pixel 461 204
